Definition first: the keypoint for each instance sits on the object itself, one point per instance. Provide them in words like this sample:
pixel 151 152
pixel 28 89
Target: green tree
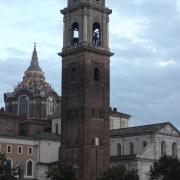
pixel 120 173
pixel 61 172
pixel 167 168
pixel 6 172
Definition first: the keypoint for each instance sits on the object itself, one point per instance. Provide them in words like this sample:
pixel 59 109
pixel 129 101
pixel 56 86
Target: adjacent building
pixel 139 147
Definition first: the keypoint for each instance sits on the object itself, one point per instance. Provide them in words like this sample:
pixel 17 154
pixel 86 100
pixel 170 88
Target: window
pixel 119 149
pixel 73 74
pixel 57 128
pixel 163 148
pixel 96 34
pixel 30 150
pixel 9 126
pixel 20 149
pixel 9 149
pixel 144 144
pixel 174 150
pixel 9 162
pixel 131 148
pixel 100 113
pixel 75 34
pixel 93 112
pixel 51 106
pixel 29 168
pixel 23 106
pixel 96 74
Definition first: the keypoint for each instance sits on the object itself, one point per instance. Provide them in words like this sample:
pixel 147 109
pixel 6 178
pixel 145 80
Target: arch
pixel 51 106
pixel 75 34
pixel 96 34
pixel 29 168
pixel 131 147
pixel 119 149
pixel 9 162
pixel 163 148
pixel 23 106
pixel 96 74
pixel 174 150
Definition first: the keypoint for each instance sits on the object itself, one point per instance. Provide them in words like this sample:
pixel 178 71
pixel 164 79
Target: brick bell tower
pixel 85 87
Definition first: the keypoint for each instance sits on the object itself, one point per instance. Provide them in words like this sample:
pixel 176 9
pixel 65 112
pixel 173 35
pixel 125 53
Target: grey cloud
pixel 139 85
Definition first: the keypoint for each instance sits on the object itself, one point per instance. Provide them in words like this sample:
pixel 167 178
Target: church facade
pixel 139 147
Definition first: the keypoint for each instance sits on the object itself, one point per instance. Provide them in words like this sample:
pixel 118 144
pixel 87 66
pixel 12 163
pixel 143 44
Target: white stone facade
pixel 146 148
pixel 118 120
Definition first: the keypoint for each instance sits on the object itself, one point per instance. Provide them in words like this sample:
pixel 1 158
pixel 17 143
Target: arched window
pixel 144 144
pixel 23 106
pixel 8 163
pixel 174 150
pixel 51 106
pixel 57 128
pixel 75 34
pixel 119 149
pixel 96 74
pixel 93 112
pixel 131 146
pixel 163 148
pixel 73 74
pixel 96 34
pixel 29 168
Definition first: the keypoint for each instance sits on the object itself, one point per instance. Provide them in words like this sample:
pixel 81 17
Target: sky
pixel 144 35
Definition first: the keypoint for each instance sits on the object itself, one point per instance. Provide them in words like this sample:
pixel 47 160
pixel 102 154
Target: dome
pixel 34 79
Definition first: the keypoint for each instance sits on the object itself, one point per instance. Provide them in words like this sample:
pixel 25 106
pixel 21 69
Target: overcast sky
pixel 144 35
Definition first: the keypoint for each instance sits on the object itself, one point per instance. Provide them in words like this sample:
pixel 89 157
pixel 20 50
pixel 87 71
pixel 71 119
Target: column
pixel 85 26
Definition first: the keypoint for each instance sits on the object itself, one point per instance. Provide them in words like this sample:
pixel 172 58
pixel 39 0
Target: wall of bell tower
pixel 85 87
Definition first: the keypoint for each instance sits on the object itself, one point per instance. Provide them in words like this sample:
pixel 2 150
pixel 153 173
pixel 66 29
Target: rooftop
pixel 137 130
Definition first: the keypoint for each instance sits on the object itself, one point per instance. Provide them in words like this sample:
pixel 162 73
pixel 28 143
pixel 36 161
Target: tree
pixel 61 171
pixel 6 172
pixel 120 173
pixel 167 168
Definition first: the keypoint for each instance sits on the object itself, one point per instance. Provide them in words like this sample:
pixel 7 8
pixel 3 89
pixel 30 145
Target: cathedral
pixel 38 127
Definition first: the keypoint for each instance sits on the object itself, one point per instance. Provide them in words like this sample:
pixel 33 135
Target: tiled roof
pixel 137 130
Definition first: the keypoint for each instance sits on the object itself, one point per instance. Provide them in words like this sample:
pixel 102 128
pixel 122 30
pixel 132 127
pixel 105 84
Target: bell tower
pixel 85 87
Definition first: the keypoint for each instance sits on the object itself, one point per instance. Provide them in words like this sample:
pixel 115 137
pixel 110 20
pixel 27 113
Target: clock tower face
pixel 85 88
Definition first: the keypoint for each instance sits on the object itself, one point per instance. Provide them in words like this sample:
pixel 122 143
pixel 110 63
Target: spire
pixel 34 61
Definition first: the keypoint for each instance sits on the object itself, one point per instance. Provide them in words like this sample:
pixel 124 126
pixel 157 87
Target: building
pixel 32 154
pixel 31 123
pixel 118 119
pixel 33 100
pixel 31 111
pixel 139 147
pixel 85 88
